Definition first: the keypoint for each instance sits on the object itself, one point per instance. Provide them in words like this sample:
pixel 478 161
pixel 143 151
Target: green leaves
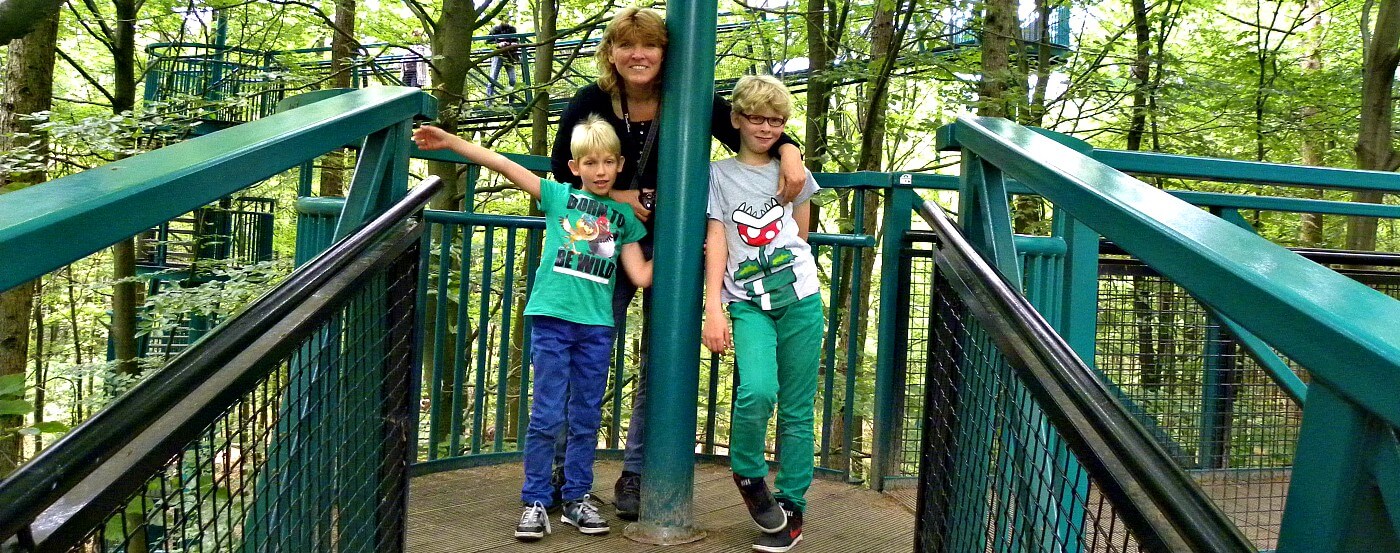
pixel 15 407
pixel 11 384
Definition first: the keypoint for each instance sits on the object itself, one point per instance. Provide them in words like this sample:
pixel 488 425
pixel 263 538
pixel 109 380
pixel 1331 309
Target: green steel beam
pixel 1277 370
pixel 1334 504
pixel 50 225
pixel 1079 305
pixel 1341 330
pixel 984 213
pixel 1293 205
pixel 1228 170
pixel 668 472
pixel 899 209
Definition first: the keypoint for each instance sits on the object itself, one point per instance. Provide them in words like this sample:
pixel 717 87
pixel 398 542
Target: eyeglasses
pixel 759 120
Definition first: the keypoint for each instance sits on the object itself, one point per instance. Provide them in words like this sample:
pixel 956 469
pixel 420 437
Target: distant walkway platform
pixel 476 510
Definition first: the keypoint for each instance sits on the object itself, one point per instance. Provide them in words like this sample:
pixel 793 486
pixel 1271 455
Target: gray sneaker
pixel 534 523
pixel 584 516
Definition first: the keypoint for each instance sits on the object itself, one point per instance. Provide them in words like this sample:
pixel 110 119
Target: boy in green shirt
pixel 571 338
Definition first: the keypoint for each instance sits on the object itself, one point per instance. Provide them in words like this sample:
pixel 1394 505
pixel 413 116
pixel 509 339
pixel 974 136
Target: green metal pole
pixel 668 470
pixel 898 211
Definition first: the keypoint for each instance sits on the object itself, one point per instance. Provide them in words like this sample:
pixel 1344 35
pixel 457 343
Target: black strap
pixel 650 140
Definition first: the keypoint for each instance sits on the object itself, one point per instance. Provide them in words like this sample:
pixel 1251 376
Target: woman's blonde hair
pixel 594 136
pixel 631 24
pixel 755 93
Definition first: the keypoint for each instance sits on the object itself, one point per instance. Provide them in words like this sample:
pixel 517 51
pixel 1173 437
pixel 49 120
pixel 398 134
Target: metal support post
pixel 668 473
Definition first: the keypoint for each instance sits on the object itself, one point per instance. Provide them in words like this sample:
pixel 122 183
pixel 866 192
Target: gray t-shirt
pixel 769 263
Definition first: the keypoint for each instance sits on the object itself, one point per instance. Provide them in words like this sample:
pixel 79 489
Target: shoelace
pixel 587 512
pixel 534 515
pixel 633 484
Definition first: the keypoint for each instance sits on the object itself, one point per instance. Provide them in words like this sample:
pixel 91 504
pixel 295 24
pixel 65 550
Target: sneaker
pixel 584 516
pixel 556 485
pixel 627 495
pixel 762 507
pixel 785 540
pixel 534 523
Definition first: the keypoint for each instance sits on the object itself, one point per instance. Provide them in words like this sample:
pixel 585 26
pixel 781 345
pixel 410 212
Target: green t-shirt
pixel 583 238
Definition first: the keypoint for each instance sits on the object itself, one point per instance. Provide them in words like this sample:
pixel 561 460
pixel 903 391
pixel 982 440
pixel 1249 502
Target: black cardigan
pixel 592 100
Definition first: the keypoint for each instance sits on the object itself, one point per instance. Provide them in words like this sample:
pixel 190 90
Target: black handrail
pixel 82 475
pixel 1160 502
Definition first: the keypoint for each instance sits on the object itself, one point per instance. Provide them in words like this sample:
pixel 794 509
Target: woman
pixel 628 96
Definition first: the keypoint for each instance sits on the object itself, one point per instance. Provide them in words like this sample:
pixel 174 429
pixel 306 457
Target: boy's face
pixel 597 170
pixel 759 130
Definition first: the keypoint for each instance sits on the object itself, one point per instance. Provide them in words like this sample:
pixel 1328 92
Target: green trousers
pixel 776 354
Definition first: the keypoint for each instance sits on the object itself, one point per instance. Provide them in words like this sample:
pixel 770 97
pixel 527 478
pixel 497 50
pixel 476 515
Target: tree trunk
pixel 1313 150
pixel 998 28
pixel 451 61
pixel 820 54
pixel 124 289
pixel 28 89
pixel 343 45
pixel 1374 149
pixel 1141 73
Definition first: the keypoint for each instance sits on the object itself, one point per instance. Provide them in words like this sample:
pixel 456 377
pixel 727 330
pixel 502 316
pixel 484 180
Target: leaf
pixel 747 269
pixel 52 427
pixel 15 407
pixel 781 257
pixel 11 384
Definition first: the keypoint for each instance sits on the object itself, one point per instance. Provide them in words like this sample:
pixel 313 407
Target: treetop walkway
pixel 227 85
pixel 1150 376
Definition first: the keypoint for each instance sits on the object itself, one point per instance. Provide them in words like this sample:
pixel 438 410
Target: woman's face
pixel 639 63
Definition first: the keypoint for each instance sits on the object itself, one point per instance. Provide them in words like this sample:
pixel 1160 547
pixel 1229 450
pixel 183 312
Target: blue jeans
pixel 622 298
pixel 571 369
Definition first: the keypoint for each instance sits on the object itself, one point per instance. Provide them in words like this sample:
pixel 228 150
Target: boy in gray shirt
pixel 759 267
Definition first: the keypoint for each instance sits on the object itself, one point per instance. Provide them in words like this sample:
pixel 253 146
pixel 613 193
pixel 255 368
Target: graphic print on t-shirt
pixel 768 278
pixel 589 243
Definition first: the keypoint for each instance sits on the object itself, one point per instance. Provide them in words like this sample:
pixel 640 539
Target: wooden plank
pixel 475 510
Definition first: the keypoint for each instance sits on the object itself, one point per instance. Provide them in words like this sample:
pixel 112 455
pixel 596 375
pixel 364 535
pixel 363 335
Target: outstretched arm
pixel 715 333
pixel 433 138
pixel 638 268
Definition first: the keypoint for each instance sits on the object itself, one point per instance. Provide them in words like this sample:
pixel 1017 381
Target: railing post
pixel 1334 500
pixel 899 210
pixel 668 472
pixel 1080 303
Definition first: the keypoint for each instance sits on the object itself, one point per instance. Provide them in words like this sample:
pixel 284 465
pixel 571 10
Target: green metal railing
pixel 1335 327
pixel 1023 448
pixel 256 438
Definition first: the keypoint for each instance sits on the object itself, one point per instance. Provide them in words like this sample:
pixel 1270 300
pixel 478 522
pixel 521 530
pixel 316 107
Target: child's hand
pixel 715 333
pixel 431 138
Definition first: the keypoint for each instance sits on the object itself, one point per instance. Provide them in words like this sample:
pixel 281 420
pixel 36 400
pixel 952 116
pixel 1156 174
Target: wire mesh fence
pixel 311 455
pixel 998 476
pixel 1204 397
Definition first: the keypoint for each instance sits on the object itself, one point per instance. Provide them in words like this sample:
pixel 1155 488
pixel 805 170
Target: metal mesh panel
pixel 918 333
pixel 997 475
pixel 1206 400
pixel 312 458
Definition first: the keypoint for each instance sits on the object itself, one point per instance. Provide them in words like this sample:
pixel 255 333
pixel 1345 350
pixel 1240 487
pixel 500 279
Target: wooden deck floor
pixel 476 510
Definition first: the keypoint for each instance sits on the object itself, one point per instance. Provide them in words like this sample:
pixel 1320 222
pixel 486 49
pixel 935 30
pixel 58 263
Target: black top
pixel 592 100
pixel 506 29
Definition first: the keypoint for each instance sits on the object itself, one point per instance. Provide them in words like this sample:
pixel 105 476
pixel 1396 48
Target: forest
pixel 1307 82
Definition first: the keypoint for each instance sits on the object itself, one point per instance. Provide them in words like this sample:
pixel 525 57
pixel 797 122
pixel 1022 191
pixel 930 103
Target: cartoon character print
pixel 769 278
pixel 758 229
pixel 596 231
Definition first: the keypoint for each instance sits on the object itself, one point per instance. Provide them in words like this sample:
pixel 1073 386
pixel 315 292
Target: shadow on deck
pixel 476 510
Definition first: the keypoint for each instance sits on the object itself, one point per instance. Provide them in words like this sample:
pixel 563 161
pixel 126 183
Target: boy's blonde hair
pixel 594 136
pixel 631 24
pixel 756 93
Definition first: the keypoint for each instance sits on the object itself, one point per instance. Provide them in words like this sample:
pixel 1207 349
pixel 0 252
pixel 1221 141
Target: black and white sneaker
pixel 785 540
pixel 762 507
pixel 584 516
pixel 534 522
